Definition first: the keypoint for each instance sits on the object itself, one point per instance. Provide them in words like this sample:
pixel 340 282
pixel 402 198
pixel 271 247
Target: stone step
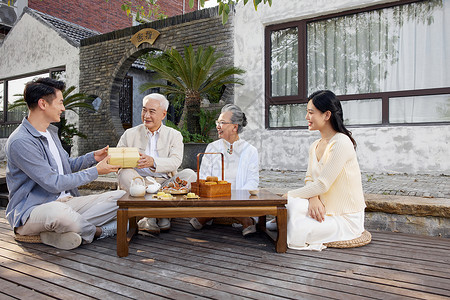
pixel 415 215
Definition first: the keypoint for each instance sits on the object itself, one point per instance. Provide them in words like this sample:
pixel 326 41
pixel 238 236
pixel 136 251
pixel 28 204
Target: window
pixel 387 64
pixel 12 90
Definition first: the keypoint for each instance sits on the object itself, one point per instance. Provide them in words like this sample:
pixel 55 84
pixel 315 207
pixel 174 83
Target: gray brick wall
pixel 105 59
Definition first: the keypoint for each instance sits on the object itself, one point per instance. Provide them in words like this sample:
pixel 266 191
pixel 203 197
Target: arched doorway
pixel 124 103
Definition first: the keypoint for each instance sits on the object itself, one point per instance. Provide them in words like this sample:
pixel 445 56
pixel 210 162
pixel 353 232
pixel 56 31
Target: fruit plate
pixel 195 197
pixel 174 191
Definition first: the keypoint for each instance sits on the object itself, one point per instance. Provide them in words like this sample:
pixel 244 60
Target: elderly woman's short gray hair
pixel 237 116
pixel 163 102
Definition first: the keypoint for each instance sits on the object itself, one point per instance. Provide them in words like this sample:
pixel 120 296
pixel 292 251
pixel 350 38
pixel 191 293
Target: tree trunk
pixel 183 117
pixel 192 117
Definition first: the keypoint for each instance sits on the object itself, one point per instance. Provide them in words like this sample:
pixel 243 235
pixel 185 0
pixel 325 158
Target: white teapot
pixel 154 186
pixel 137 187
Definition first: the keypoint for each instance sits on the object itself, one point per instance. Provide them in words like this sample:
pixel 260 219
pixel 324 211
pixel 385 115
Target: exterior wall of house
pixel 32 47
pixel 102 16
pixel 411 149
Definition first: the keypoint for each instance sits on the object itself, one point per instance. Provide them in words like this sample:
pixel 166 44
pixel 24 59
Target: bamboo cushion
pixel 364 239
pixel 35 239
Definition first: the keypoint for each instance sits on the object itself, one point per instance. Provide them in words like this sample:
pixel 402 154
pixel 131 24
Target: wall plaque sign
pixel 147 35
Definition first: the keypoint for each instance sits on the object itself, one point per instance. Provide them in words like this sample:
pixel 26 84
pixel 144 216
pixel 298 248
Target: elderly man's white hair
pixel 163 102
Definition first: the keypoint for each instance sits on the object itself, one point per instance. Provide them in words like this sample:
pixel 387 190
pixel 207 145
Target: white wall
pixel 411 149
pixel 32 47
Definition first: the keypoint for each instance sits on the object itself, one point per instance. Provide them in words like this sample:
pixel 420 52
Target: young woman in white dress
pixel 330 207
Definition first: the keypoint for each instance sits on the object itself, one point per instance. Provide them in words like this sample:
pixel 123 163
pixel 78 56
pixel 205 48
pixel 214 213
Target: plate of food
pixel 163 196
pixel 175 191
pixel 191 196
pixel 176 187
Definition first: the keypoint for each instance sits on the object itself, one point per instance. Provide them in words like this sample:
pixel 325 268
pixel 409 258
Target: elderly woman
pixel 241 163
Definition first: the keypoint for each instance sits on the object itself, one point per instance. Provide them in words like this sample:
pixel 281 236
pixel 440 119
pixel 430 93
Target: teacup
pixel 254 192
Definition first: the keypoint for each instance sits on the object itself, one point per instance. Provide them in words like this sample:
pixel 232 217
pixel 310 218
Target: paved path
pixel 421 185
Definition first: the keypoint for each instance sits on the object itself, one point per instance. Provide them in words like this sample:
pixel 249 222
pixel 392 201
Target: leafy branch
pixel 225 6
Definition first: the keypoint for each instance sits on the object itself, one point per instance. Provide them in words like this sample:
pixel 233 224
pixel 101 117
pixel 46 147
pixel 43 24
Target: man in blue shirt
pixel 42 179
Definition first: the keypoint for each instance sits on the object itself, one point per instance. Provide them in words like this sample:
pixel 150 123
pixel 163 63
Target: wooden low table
pixel 239 204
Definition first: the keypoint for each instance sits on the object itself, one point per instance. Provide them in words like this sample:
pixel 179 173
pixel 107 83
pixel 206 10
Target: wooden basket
pixel 203 190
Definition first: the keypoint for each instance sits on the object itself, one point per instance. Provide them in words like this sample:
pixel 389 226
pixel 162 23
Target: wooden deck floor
pixel 219 263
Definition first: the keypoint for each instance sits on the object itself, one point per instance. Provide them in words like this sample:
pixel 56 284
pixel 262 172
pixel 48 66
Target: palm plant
pixel 193 77
pixel 71 102
pixel 66 131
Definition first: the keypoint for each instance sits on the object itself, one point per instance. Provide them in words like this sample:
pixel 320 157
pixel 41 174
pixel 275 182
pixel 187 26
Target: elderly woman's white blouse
pixel 241 168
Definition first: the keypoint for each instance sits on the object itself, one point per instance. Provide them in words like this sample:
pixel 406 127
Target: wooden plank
pixel 412 241
pixel 34 281
pixel 135 285
pixel 274 271
pixel 419 255
pixel 64 277
pixel 313 253
pixel 182 264
pixel 163 249
pixel 155 270
pixel 12 290
pixel 431 263
pixel 119 266
pixel 435 265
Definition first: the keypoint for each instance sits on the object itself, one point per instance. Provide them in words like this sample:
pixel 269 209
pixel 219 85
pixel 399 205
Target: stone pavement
pixel 419 185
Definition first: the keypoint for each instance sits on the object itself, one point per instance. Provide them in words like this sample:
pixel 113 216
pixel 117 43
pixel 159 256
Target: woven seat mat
pixel 35 239
pixel 364 239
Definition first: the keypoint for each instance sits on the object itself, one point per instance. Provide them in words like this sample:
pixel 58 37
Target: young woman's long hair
pixel 326 100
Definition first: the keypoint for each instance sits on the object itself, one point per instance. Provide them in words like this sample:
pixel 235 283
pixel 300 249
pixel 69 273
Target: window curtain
pixel 284 62
pixel 401 48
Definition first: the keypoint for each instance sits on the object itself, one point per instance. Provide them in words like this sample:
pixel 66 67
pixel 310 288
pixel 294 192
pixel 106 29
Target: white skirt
pixel 306 233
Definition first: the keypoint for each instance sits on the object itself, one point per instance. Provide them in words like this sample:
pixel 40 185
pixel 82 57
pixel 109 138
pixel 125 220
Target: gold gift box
pixel 126 157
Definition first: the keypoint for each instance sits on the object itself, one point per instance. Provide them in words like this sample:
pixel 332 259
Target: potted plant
pixel 66 131
pixel 191 78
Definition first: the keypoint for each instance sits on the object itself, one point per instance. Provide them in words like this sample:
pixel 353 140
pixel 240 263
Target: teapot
pixel 154 186
pixel 137 187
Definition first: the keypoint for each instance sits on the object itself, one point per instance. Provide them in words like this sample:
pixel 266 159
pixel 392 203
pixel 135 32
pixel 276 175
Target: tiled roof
pixel 72 31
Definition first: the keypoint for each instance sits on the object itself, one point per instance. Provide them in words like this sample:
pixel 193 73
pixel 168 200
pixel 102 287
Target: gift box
pixel 125 157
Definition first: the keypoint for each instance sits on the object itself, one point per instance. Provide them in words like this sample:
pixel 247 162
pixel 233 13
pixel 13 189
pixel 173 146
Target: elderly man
pixel 161 152
pixel 42 179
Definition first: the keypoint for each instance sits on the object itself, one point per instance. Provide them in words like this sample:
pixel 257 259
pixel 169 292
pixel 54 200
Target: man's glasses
pixel 221 123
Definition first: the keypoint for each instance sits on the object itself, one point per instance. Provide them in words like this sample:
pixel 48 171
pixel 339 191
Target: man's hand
pixel 145 161
pixel 101 154
pixel 316 209
pixel 104 168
